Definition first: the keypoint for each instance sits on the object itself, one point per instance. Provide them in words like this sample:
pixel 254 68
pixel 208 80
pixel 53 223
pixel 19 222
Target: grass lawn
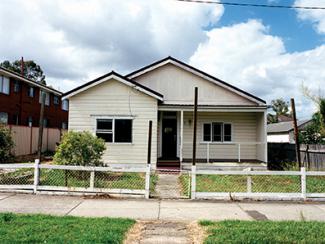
pixel 264 232
pixel 264 183
pixel 16 228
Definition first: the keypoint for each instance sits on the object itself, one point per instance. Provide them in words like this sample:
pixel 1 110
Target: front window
pixel 217 132
pixel 3 118
pixel 114 130
pixel 4 85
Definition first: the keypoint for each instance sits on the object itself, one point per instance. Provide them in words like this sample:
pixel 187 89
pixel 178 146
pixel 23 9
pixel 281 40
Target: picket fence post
pixel 193 185
pixel 92 180
pixel 303 182
pixel 36 175
pixel 147 183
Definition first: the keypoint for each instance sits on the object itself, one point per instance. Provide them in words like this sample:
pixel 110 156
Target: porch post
pixel 181 138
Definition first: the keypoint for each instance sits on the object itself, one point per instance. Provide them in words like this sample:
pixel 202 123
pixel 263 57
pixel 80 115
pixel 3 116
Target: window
pixel 3 118
pixel 217 132
pixel 65 105
pixel 64 125
pixel 16 86
pixel 47 98
pixel 30 121
pixel 56 100
pixel 4 84
pixel 115 130
pixel 46 123
pixel 31 91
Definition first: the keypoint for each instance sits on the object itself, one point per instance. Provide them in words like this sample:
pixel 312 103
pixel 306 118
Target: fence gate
pixel 170 184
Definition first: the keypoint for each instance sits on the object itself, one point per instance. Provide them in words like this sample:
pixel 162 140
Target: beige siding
pixel 112 98
pixel 244 130
pixel 177 86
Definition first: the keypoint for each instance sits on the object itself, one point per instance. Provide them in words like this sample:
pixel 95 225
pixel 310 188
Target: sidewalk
pixel 167 210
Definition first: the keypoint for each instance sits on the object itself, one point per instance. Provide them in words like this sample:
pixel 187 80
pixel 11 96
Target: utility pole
pixel 21 92
pixel 296 132
pixel 194 125
pixel 41 125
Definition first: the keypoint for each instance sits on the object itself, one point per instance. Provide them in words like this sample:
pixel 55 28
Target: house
pixel 231 122
pixel 20 102
pixel 283 132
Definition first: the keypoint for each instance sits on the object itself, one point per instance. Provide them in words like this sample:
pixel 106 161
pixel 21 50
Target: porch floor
pixel 226 166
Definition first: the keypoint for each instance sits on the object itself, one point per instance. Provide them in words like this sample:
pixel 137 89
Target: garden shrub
pixel 6 145
pixel 80 148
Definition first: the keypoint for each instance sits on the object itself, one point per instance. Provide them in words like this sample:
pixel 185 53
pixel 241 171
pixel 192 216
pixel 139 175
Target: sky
pixel 267 52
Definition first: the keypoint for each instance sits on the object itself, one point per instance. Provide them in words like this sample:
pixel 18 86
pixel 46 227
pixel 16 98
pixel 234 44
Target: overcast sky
pixel 267 52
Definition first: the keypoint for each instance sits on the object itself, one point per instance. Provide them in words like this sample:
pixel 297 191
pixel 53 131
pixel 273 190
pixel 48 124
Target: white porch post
pixel 181 138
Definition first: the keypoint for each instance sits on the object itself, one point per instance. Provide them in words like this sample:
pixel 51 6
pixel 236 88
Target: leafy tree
pixel 31 70
pixel 80 148
pixel 279 107
pixel 6 144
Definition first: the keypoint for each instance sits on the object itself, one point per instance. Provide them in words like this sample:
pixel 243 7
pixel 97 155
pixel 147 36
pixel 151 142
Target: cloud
pixel 247 56
pixel 77 40
pixel 317 17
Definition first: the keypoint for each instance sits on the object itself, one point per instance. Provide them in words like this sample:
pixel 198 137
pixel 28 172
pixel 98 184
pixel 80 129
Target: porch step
pixel 168 164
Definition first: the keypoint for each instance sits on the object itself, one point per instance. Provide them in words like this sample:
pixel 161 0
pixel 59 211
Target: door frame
pixel 160 154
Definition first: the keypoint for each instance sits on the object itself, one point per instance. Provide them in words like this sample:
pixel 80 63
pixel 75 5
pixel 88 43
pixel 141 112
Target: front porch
pixel 226 137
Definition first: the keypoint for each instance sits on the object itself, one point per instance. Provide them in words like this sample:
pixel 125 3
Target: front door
pixel 169 138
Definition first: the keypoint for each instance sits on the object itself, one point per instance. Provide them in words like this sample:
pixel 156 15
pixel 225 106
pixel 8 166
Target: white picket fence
pixel 31 181
pixel 273 193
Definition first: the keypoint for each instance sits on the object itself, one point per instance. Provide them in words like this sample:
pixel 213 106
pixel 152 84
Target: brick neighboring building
pixel 20 102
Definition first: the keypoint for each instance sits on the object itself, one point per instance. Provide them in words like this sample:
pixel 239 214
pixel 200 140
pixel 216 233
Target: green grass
pixel 16 228
pixel 264 183
pixel 264 232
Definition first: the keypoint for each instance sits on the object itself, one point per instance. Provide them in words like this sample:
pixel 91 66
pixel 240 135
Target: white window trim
pixel 223 136
pixel 113 118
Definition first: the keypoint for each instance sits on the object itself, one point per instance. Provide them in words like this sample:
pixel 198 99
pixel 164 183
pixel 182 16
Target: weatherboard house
pixel 231 123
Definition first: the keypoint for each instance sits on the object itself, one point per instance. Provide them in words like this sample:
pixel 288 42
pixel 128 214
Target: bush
pixel 6 145
pixel 80 148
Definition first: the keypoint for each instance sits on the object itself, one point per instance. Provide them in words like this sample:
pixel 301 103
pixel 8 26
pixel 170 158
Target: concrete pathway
pixel 168 186
pixel 164 210
pixel 164 232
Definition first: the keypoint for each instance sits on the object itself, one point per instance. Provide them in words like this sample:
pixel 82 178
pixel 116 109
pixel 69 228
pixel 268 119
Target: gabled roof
pixel 285 127
pixel 29 81
pixel 115 76
pixel 197 72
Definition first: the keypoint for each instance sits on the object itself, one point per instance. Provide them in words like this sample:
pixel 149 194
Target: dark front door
pixel 169 138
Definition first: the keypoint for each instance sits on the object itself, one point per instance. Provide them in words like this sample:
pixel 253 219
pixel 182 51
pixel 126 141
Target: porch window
pixel 217 132
pixel 115 130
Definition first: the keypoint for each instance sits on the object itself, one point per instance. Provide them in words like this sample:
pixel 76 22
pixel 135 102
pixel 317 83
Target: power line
pixel 255 5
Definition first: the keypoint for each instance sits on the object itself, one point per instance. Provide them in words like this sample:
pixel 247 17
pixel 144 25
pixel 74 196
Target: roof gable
pixel 197 72
pixel 117 77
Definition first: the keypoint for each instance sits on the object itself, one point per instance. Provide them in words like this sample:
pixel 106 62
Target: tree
pixel 31 70
pixel 279 107
pixel 6 144
pixel 80 148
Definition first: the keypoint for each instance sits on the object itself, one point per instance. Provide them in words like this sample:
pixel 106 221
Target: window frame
pixel 17 86
pixel 113 128
pixel 222 132
pixel 47 98
pixel 2 79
